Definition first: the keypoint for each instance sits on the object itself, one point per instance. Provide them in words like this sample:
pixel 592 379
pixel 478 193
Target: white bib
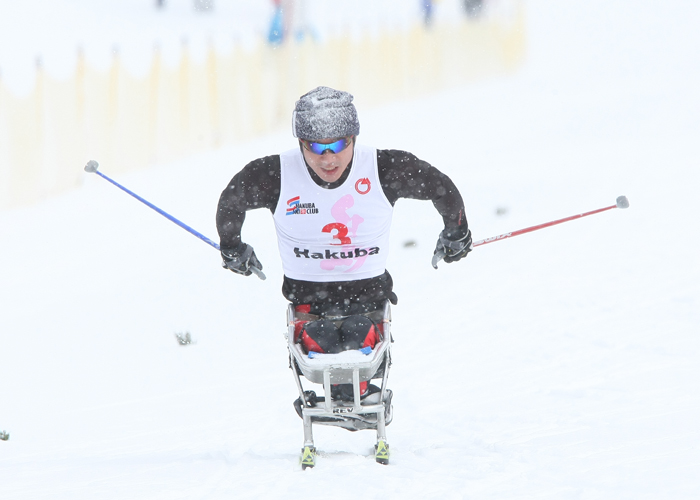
pixel 339 234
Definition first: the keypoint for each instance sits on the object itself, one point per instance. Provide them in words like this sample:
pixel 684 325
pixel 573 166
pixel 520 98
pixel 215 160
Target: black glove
pixel 452 245
pixel 241 259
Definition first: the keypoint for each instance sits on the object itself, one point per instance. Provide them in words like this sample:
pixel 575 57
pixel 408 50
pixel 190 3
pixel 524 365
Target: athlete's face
pixel 329 166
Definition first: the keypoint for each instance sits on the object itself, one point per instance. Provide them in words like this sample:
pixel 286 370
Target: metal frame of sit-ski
pixel 328 373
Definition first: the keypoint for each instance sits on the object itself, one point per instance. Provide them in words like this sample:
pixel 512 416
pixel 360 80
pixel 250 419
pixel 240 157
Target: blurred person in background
pixel 275 34
pixel 427 9
pixel 473 8
pixel 204 5
pixel 289 19
pixel 332 201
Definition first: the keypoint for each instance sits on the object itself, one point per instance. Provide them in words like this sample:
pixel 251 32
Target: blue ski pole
pixel 92 166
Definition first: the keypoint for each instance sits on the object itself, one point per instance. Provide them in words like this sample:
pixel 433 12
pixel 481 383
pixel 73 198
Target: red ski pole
pixel 620 202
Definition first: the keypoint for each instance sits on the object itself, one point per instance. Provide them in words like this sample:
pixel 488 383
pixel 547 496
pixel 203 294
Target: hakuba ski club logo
pixel 294 207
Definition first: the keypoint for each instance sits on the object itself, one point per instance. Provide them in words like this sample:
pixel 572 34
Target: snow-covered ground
pixel 560 364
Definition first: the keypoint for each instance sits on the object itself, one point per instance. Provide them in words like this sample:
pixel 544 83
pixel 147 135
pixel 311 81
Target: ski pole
pixel 620 202
pixel 92 166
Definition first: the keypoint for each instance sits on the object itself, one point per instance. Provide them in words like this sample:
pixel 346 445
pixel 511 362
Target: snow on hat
pixel 324 113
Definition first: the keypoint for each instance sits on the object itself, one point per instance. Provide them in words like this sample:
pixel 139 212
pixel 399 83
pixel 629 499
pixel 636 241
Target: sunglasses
pixel 335 147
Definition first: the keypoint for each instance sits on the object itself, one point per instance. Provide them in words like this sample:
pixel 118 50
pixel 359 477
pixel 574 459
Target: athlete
pixel 332 200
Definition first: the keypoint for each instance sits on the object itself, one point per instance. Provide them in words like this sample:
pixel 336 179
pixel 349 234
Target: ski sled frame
pixel 372 412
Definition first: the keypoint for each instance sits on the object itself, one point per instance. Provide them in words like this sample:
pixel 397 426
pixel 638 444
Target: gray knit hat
pixel 324 113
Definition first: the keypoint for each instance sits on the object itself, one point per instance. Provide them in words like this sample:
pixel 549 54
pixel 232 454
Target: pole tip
pixel 258 273
pixel 437 257
pixel 622 202
pixel 91 166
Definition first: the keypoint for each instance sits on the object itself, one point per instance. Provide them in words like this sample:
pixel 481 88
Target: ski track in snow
pixel 559 364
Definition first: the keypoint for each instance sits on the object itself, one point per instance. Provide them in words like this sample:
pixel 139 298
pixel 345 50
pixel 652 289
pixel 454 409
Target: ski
pixel 308 457
pixel 381 452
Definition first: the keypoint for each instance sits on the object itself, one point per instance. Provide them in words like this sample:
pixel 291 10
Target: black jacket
pixel 401 174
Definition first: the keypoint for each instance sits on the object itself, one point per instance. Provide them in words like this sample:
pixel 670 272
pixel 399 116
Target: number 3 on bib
pixel 341 235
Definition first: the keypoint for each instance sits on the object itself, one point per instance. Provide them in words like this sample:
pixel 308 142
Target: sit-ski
pixel 371 411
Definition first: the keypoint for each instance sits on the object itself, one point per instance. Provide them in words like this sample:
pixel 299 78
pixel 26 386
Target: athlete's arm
pixel 257 185
pixel 402 175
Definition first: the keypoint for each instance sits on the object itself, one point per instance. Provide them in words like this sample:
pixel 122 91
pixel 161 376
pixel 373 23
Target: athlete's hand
pixel 452 245
pixel 242 260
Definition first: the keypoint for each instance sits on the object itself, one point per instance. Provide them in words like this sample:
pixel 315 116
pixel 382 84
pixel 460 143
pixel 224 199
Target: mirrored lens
pixel 335 147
